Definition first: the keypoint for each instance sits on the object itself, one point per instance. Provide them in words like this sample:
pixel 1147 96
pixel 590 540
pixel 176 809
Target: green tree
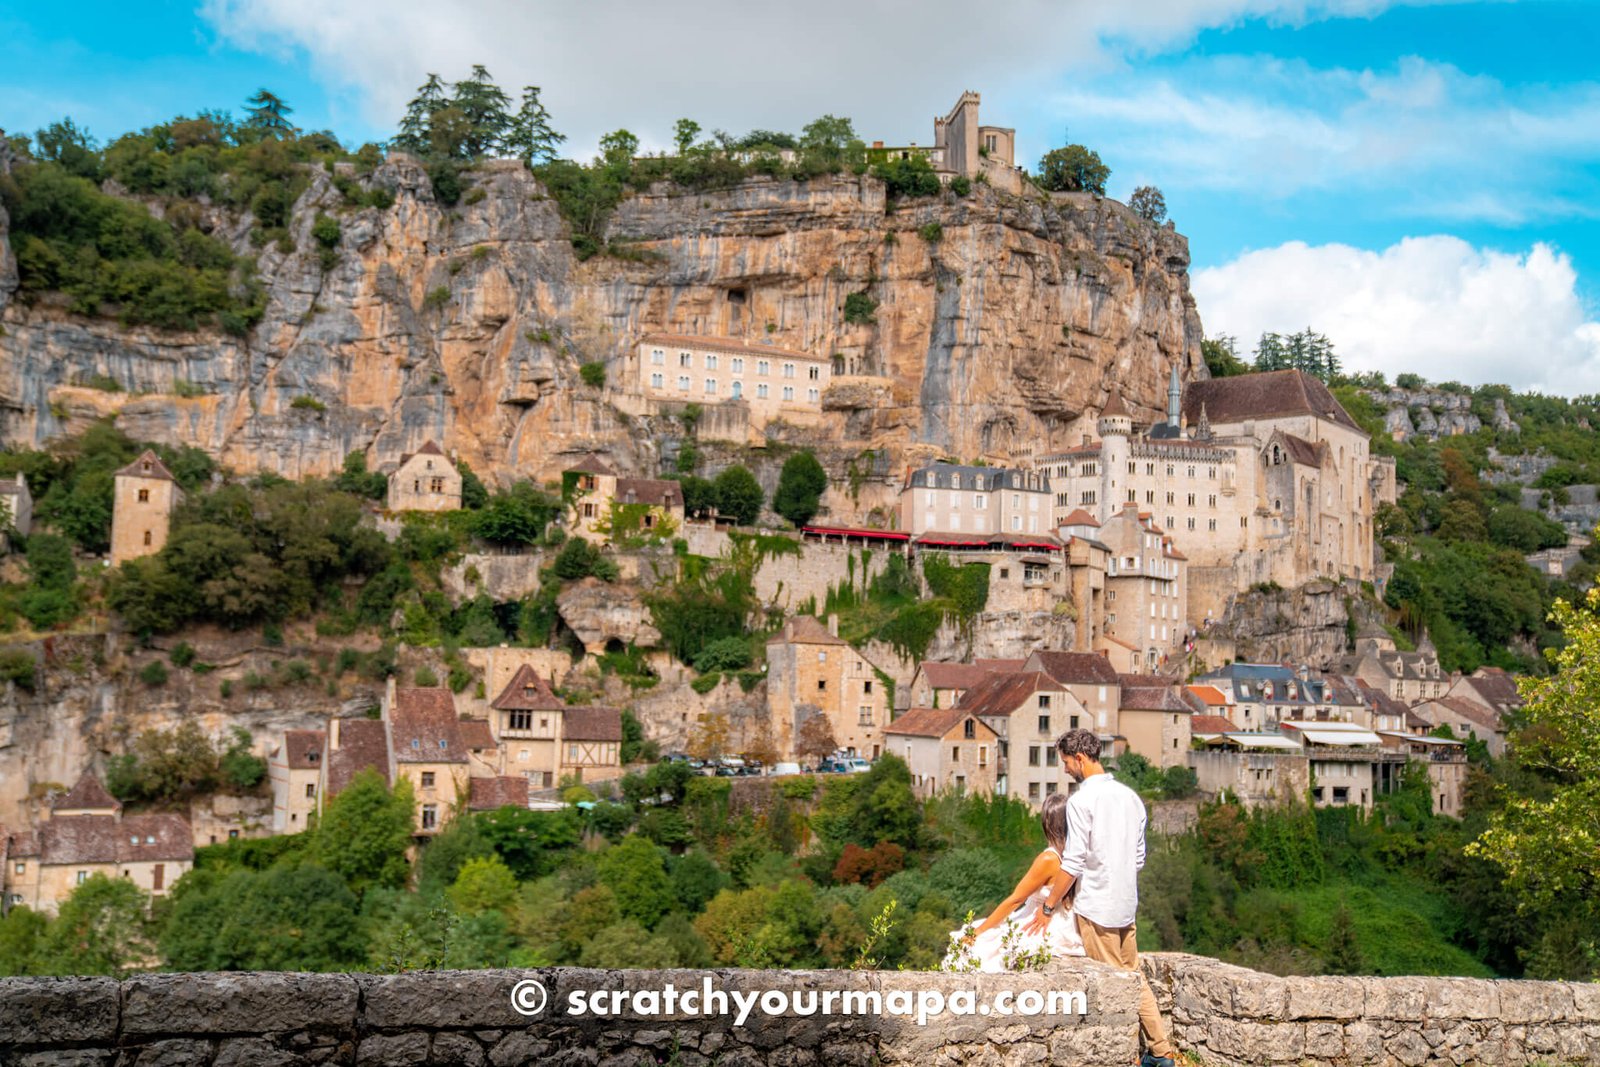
pixel 637 876
pixel 22 937
pixel 829 143
pixel 365 831
pixel 269 115
pixel 71 146
pixel 1222 356
pixel 518 515
pixel 627 945
pixel 484 884
pixel 684 131
pixel 739 496
pixel 532 139
pixel 617 150
pixel 1343 954
pixel 800 487
pixel 289 917
pixel 696 878
pixel 1073 169
pixel 415 133
pixel 1148 203
pixel 484 110
pixel 474 494
pixel 100 929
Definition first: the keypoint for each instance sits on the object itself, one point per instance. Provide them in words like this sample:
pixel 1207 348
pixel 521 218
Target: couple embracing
pixel 1095 849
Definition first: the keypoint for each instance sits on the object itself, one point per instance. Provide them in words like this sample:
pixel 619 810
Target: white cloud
pixel 729 63
pixel 1436 306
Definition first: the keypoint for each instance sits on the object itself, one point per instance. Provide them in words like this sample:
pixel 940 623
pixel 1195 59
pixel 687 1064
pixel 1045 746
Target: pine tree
pixel 267 114
pixel 1344 950
pixel 1270 353
pixel 484 107
pixel 532 139
pixel 416 127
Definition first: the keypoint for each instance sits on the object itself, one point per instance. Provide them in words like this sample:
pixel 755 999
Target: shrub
pixel 933 232
pixel 446 182
pixel 182 654
pixel 907 178
pixel 382 199
pixel 706 682
pixel 859 309
pixel 724 654
pixel 593 374
pixel 153 673
pixel 961 185
pixel 437 298
pixel 303 402
pixel 18 665
pixel 425 678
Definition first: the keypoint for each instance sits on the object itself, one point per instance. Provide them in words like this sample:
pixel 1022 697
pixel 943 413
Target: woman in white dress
pixel 999 943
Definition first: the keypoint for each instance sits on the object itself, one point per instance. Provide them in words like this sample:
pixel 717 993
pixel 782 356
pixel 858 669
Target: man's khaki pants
pixel 1118 947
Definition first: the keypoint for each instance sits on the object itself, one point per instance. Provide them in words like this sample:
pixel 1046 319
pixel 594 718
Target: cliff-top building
pixel 1260 477
pixel 601 497
pixel 143 500
pixel 976 503
pixel 762 382
pixel 426 480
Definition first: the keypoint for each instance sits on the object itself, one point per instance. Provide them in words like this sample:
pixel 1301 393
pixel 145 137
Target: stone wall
pixel 467 1017
pixel 1226 1016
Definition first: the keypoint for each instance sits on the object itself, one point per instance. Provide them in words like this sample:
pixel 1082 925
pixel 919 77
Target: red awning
pixel 1034 546
pixel 941 543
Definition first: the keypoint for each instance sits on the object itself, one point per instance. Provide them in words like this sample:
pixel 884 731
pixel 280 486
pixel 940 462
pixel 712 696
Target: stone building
pixel 1405 676
pixel 526 717
pixel 1261 695
pixel 1446 761
pixel 1490 688
pixel 1092 681
pixel 1146 597
pixel 946 749
pixel 1466 719
pixel 1262 478
pixel 295 770
pixel 16 505
pixel 1350 765
pixel 426 480
pixel 762 381
pixel 354 745
pixel 1027 710
pixel 85 833
pixel 810 671
pixel 438 752
pixel 1155 718
pixel 602 498
pixel 990 502
pixel 941 685
pixel 1258 769
pixel 144 497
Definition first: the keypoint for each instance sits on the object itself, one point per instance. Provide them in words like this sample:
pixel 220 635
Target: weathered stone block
pixel 44 1011
pixel 449 1000
pixel 392 1050
pixel 456 1050
pixel 1324 998
pixel 1096 1042
pixel 1362 1043
pixel 1462 998
pixel 1324 1041
pixel 1401 999
pixel 255 1052
pixel 1534 1002
pixel 174 1053
pixel 1409 1048
pixel 64 1058
pixel 242 1003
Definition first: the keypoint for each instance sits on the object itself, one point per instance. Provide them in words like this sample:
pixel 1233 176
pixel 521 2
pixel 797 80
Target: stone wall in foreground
pixel 1222 1016
pixel 1228 1016
pixel 467 1018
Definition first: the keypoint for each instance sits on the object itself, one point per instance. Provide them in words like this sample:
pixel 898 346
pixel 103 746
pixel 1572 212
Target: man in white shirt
pixel 1105 851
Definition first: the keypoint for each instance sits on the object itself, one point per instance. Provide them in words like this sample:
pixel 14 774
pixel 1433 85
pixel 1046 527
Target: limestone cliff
pixel 467 324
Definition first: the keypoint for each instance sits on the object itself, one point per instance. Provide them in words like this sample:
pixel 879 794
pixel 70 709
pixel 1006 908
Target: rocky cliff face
pixel 467 324
pixel 1311 625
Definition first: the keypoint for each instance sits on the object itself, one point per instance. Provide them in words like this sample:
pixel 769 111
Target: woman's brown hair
pixel 1053 817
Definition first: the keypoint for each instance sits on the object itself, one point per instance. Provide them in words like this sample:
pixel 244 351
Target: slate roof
pixel 302 749
pixel 1261 396
pixel 988 479
pixel 424 727
pixel 476 735
pixel 1003 694
pixel 489 794
pixel 1145 692
pixel 24 844
pixel 363 743
pixel 1302 451
pixel 593 464
pixel 965 675
pixel 662 491
pixel 148 465
pixel 592 724
pixel 88 794
pixel 1381 703
pixel 1076 668
pixel 727 344
pixel 931 722
pixel 84 839
pixel 1469 710
pixel 1495 686
pixel 527 691
pixel 1115 406
pixel 804 630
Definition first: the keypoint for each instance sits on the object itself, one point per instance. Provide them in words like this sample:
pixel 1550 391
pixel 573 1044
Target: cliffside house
pixel 1406 676
pixel 811 670
pixel 759 382
pixel 605 506
pixel 295 770
pixel 1466 719
pixel 963 147
pixel 86 833
pixel 1350 765
pixel 16 504
pixel 542 740
pixel 1027 710
pixel 354 745
pixel 946 749
pixel 144 496
pixel 1146 597
pixel 1156 718
pixel 1490 687
pixel 1092 681
pixel 436 750
pixel 946 505
pixel 1264 694
pixel 1446 761
pixel 940 685
pixel 426 480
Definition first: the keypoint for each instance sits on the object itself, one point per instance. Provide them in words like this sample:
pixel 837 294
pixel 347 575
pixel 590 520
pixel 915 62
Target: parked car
pixel 786 768
pixel 857 765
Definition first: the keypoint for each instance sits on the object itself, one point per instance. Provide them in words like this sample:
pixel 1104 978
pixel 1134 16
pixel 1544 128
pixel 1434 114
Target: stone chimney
pixel 833 625
pixel 333 734
pixel 388 696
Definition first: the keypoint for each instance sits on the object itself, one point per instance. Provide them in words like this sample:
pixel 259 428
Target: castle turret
pixel 1115 426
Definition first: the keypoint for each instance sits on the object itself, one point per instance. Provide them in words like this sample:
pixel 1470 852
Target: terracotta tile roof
pixel 83 839
pixel 476 735
pixel 489 794
pixel 302 749
pixel 1261 396
pixel 726 344
pixel 933 722
pixel 593 464
pixel 1080 518
pixel 87 795
pixel 959 675
pixel 424 727
pixel 1145 692
pixel 1076 668
pixel 148 465
pixel 662 491
pixel 24 844
pixel 1213 696
pixel 159 837
pixel 591 724
pixel 1115 406
pixel 527 691
pixel 1302 451
pixel 363 743
pixel 428 449
pixel 1002 694
pixel 1212 724
pixel 804 630
pixel 1495 686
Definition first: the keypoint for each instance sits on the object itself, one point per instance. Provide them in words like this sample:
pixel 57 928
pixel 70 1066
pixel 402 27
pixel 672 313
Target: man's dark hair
pixel 1079 743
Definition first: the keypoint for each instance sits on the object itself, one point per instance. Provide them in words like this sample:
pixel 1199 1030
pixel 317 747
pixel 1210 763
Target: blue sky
pixel 1420 180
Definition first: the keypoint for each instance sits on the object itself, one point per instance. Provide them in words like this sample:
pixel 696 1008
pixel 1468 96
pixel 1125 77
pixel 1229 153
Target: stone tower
pixel 1115 427
pixel 144 499
pixel 1174 400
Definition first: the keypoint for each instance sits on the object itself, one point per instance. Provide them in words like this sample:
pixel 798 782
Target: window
pixel 788 392
pixel 1044 724
pixel 955 753
pixel 711 362
pixel 866 688
pixel 1033 790
pixel 657 357
pixel 1149 496
pixel 822 657
pixel 1072 722
pixel 788 370
pixel 1016 522
pixel 435 485
pixel 969 729
pixel 711 385
pixel 1211 500
pixel 813 396
pixel 983 755
pixel 685 359
pixel 762 367
pixel 144 496
pixel 815 374
pixel 1169 498
pixel 864 715
pixel 1211 524
pixel 83 876
pixel 427 779
pixel 1050 789
pixel 1044 700
pixel 761 390
pixel 430 816
pixel 822 685
pixel 1033 755
pixel 737 390
pixel 1191 500
pixel 311 790
pixel 147 537
pixel 683 383
pixel 22 868
pixel 656 381
pixel 1050 754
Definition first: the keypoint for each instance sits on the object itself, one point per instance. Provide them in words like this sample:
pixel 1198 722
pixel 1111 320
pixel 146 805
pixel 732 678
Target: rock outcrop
pixel 1433 413
pixel 468 323
pixel 1310 625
